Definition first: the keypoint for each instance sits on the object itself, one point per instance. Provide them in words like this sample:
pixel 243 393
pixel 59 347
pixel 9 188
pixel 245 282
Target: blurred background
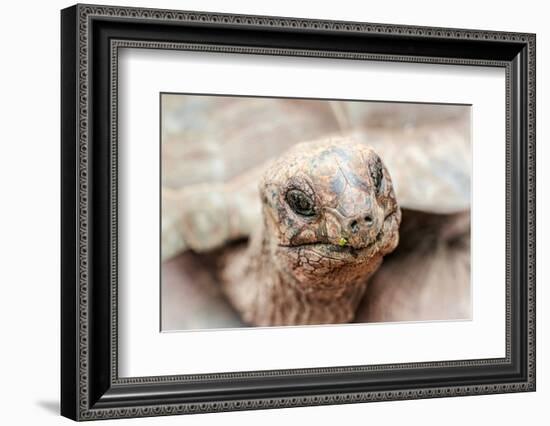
pixel 214 138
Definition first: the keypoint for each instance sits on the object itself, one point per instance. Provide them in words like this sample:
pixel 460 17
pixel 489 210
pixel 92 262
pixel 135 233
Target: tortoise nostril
pixel 368 219
pixel 354 226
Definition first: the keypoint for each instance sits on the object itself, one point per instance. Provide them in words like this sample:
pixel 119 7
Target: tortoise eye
pixel 300 202
pixel 376 174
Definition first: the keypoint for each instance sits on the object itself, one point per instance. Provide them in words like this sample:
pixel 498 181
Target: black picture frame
pixel 90 386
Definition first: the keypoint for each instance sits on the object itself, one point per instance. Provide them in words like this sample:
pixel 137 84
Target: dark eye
pixel 300 202
pixel 376 174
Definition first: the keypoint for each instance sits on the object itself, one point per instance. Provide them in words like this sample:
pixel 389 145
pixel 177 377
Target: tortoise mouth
pixel 343 253
pixel 339 253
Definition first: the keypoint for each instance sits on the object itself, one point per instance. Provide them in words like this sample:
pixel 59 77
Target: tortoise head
pixel 330 213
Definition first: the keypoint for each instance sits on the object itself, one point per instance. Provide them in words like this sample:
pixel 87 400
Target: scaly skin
pixel 329 217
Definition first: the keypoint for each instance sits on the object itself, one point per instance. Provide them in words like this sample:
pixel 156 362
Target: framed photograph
pixel 263 212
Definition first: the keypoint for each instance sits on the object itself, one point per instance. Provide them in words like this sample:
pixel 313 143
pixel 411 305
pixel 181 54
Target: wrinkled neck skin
pixel 274 286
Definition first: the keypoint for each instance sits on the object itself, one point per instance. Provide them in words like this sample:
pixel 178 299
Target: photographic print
pixel 294 212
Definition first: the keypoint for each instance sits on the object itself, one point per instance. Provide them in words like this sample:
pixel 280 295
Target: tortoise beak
pixel 357 231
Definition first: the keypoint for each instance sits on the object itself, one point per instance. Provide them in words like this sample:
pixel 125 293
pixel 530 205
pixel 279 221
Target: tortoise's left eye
pixel 376 174
pixel 300 202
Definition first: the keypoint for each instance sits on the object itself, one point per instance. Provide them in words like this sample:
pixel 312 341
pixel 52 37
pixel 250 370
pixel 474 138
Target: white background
pixel 29 228
pixel 146 352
